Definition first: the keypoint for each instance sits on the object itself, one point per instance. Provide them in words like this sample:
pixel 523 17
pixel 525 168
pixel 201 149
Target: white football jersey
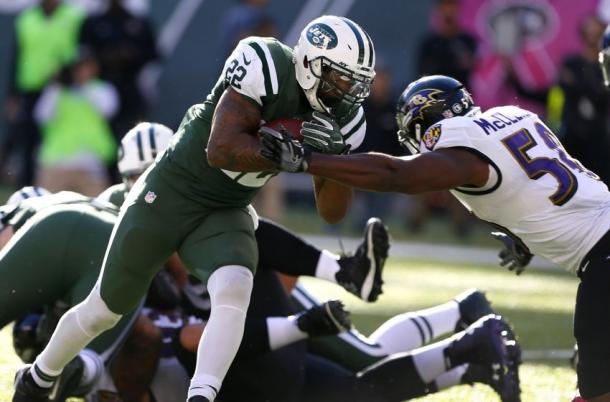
pixel 535 189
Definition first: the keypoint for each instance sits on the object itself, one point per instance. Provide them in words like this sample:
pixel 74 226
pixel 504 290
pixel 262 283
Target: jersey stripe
pixel 358 39
pixel 356 121
pixel 261 56
pixel 272 73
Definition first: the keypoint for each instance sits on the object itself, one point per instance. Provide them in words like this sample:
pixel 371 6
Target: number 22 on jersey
pixel 562 168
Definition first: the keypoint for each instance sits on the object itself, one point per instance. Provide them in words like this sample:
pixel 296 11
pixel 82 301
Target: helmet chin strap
pixel 314 101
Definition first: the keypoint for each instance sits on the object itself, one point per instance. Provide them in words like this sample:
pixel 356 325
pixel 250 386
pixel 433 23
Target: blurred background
pixel 77 74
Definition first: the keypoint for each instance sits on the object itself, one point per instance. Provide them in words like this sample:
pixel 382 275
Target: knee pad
pixel 93 314
pixel 231 285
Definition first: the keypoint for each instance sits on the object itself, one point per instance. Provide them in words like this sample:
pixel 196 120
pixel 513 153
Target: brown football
pixel 293 126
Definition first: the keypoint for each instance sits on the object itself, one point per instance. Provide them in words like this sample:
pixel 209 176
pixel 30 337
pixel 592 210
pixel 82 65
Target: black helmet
pixel 426 101
pixel 604 57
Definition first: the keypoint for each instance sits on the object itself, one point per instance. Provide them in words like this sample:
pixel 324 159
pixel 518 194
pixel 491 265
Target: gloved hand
pixel 323 134
pixel 279 147
pixel 515 255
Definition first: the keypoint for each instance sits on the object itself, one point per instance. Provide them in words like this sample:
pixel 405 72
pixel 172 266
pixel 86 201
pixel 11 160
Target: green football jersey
pixel 262 70
pixel 114 194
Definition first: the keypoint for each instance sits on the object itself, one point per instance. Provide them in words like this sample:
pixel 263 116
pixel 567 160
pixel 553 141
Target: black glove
pixel 329 318
pixel 279 147
pixel 515 255
pixel 323 134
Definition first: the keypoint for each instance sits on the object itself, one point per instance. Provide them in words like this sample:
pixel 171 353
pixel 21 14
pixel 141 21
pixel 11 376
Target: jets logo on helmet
pixel 335 64
pixel 322 36
pixel 140 147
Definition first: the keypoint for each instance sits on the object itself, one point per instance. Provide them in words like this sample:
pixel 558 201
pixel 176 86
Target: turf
pixel 538 304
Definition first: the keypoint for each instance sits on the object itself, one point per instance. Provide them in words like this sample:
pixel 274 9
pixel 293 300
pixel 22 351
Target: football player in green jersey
pixel 194 199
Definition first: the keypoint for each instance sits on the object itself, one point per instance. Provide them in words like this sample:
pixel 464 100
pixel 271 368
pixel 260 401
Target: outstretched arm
pixel 443 169
pixel 233 144
pixel 333 199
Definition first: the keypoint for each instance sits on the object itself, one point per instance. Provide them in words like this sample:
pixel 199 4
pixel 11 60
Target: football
pixel 293 126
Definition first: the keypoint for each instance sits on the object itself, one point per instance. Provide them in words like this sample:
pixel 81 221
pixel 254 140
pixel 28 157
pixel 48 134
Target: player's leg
pixel 136 362
pixel 411 330
pixel 223 252
pixel 360 273
pixel 123 281
pixel 592 330
pixel 488 342
pixel 328 382
pixel 402 333
pixel 31 266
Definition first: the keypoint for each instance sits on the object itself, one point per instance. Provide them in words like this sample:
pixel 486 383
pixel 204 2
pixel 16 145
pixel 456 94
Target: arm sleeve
pixel 354 129
pixel 45 107
pixel 445 136
pixel 244 71
pixel 104 97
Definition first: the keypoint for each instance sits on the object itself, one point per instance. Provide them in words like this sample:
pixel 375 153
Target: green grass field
pixel 538 304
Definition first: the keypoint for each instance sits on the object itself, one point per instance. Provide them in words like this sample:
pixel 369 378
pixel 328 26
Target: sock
pixel 430 360
pixel 92 366
pixel 451 378
pixel 75 330
pixel 230 288
pixel 411 330
pixel 328 266
pixel 283 331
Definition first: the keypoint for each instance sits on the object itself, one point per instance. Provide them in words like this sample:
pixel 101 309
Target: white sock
pixel 430 360
pixel 408 331
pixel 75 330
pixel 283 331
pixel 328 266
pixel 451 378
pixel 93 366
pixel 229 289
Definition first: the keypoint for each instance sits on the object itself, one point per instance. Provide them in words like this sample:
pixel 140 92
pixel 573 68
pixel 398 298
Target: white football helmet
pixel 26 192
pixel 335 64
pixel 139 148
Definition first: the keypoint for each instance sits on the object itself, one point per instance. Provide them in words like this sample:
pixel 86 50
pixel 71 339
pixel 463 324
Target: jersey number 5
pixel 520 142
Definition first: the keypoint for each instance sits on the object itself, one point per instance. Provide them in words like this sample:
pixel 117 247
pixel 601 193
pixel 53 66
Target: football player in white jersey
pixel 508 168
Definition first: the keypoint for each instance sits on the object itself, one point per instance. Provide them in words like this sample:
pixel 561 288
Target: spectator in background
pixel 449 50
pixel 124 44
pixel 77 141
pixel 584 126
pixel 249 18
pixel 46 38
pixel 380 109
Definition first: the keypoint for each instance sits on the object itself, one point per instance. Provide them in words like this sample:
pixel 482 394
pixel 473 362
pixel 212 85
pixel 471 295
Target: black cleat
pixel 489 345
pixel 68 382
pixel 360 273
pixel 198 398
pixel 473 305
pixel 329 318
pixel 26 390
